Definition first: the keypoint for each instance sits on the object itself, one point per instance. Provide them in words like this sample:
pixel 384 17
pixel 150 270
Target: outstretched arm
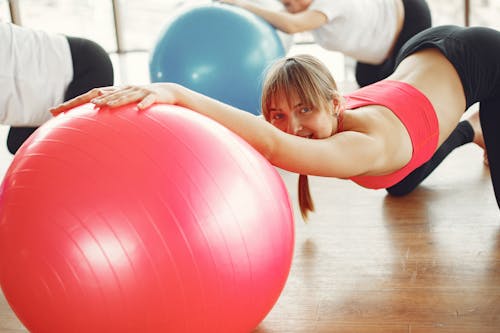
pixel 342 155
pixel 252 128
pixel 284 21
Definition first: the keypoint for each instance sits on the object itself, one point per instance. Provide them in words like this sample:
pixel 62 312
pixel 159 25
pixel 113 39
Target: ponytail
pixel 305 200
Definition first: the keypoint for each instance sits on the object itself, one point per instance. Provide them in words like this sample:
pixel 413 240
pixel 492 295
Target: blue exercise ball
pixel 217 50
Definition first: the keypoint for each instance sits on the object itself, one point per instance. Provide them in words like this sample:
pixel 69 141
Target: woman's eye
pixel 305 110
pixel 277 116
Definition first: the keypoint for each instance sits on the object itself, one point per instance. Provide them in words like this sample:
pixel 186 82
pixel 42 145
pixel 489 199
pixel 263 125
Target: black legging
pixel 475 54
pixel 91 68
pixel 417 18
pixel 462 134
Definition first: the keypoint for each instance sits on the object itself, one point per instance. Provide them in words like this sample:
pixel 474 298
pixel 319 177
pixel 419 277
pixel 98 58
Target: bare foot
pixel 473 120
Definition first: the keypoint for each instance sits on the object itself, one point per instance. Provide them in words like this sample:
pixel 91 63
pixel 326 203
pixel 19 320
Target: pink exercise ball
pixel 142 221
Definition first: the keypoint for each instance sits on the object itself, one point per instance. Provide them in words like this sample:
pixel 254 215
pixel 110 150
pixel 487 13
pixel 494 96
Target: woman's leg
pixel 417 18
pixel 489 114
pixel 91 68
pixel 463 133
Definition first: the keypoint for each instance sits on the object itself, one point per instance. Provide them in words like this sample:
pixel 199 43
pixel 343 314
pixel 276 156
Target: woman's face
pixel 296 6
pixel 307 121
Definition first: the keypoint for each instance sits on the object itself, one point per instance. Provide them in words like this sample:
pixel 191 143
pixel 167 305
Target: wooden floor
pixel 366 262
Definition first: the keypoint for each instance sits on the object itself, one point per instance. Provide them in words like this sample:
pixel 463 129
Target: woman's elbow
pixel 267 150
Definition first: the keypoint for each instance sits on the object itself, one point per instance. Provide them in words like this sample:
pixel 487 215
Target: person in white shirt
pixel 369 31
pixel 40 70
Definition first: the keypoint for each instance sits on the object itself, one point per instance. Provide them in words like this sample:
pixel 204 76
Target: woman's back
pixel 430 72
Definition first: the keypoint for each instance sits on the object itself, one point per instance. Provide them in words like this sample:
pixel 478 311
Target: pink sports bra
pixel 415 112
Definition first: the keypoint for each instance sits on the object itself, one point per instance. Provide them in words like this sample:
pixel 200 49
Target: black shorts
pixel 417 18
pixel 473 51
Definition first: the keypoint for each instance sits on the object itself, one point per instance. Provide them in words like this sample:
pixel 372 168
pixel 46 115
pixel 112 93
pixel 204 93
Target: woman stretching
pixel 370 31
pixel 376 136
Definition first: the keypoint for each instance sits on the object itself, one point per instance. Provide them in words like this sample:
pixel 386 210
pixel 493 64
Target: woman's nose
pixel 294 126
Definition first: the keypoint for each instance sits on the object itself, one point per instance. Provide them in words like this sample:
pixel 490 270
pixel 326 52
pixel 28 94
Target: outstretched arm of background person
pixel 343 155
pixel 281 20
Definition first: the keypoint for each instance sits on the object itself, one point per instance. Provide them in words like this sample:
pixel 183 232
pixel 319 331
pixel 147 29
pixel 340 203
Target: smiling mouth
pixel 309 136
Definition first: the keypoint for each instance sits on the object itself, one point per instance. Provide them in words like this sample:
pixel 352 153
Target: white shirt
pixel 35 71
pixel 361 29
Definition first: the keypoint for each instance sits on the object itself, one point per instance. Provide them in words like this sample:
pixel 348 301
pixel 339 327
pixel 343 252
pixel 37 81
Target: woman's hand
pixel 118 96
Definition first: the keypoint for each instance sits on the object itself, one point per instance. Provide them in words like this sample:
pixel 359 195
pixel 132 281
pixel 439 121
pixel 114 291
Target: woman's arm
pixel 284 21
pixel 253 129
pixel 342 155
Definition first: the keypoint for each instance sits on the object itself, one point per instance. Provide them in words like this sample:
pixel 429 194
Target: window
pixel 4 11
pixel 91 19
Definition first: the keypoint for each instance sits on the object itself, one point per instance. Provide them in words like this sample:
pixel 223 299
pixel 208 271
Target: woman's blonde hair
pixel 311 80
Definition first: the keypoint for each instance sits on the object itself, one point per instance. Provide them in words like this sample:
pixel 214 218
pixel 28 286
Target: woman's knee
pixel 92 67
pixel 90 59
